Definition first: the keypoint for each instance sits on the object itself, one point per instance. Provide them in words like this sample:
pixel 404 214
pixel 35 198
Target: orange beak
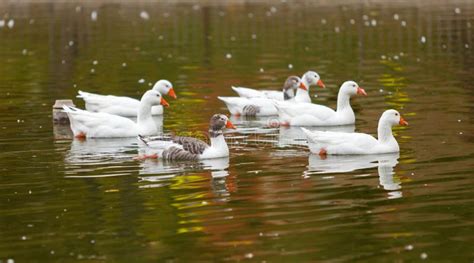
pixel 361 91
pixel 229 125
pixel 164 102
pixel 303 86
pixel 171 93
pixel 321 84
pixel 403 122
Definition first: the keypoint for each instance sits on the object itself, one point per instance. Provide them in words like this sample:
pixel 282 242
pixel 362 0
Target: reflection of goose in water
pixel 254 125
pixel 295 136
pixel 349 163
pixel 104 150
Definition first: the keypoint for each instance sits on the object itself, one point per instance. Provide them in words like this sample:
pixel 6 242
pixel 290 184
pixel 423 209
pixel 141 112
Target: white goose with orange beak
pixel 309 114
pixel 341 143
pixel 124 106
pixel 86 124
pixel 310 78
pixel 178 148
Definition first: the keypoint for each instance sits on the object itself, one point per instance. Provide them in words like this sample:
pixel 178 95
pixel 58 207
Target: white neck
pixel 219 143
pixel 144 119
pixel 384 132
pixel 344 104
pixel 301 94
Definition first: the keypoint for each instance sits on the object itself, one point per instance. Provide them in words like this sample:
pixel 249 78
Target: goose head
pixel 165 87
pixel 291 85
pixel 219 122
pixel 351 88
pixel 392 118
pixel 311 78
pixel 154 97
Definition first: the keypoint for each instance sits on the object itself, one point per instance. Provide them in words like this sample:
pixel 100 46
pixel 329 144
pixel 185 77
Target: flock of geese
pixel 107 116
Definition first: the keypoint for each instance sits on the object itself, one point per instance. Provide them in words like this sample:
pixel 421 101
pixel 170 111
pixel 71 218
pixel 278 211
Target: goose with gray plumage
pixel 179 148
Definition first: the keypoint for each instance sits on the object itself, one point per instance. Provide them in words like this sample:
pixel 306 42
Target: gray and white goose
pixel 179 148
pixel 261 106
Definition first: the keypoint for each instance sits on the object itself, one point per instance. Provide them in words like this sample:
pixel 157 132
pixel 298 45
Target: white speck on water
pixel 254 36
pixel 63 61
pixel 18 121
pixel 365 17
pixel 418 59
pixel 268 13
pixel 323 21
pixel 24 52
pixel 290 66
pixel 468 24
pixel 273 9
pixel 124 64
pixel 23 238
pixel 466 45
pixel 423 255
pixel 249 255
pixel 250 15
pixel 327 177
pixel 408 247
pixel 402 54
pixel 221 13
pixel 260 234
pixel 2 23
pixel 380 90
pixel 395 57
pixel 383 57
pixel 78 9
pixel 11 23
pixel 460 133
pixel 261 70
pixel 204 203
pixel 30 225
pixel 94 15
pixel 92 241
pixel 10 260
pixel 92 70
pixel 373 22
pixel 367 23
pixel 228 56
pixel 141 81
pixel 160 37
pixel 30 192
pixel 196 7
pixel 337 29
pixel 95 62
pixel 232 38
pixel 71 43
pixel 52 252
pixel 32 21
pixel 144 15
pixel 403 23
pixel 170 55
pixel 396 17
pixel 352 21
pixel 65 209
pixel 459 120
pixel 457 10
pixel 74 85
pixel 423 39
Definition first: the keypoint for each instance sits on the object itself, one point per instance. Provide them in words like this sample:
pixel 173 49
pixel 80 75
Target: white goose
pixel 302 95
pixel 86 124
pixel 260 106
pixel 124 106
pixel 179 148
pixel 308 114
pixel 340 143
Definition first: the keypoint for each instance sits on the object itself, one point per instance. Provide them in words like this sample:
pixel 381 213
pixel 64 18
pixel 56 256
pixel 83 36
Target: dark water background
pixel 64 200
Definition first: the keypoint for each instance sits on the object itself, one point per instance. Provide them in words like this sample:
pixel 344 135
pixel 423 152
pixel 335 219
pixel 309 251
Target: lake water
pixel 271 201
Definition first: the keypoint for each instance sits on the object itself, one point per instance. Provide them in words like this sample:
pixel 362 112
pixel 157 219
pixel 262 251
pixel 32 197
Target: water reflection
pixel 101 151
pixel 385 164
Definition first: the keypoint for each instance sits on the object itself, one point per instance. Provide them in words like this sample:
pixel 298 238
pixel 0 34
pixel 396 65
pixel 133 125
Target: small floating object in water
pixel 228 56
pixel 141 81
pixel 2 23
pixel 94 15
pixel 396 16
pixel 11 23
pixel 144 15
pixel 423 39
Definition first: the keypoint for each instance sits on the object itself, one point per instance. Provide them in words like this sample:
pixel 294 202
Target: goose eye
pixel 353 85
pixel 396 114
